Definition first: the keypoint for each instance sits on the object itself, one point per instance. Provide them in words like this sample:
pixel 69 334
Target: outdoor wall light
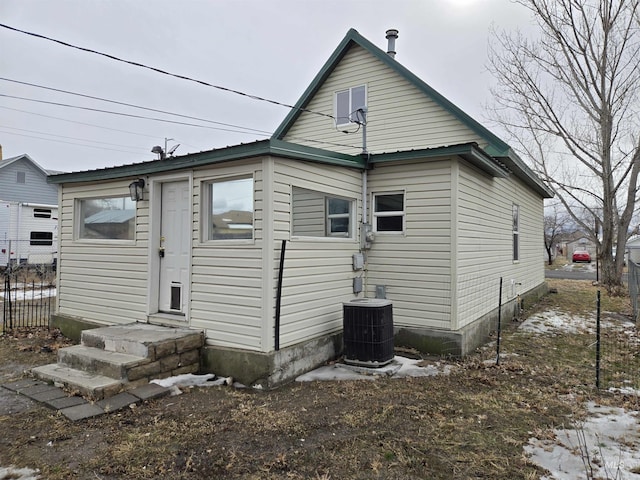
pixel 136 189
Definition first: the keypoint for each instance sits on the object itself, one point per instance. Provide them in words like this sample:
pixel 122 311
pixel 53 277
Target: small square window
pixel 388 212
pixel 230 209
pixel 348 104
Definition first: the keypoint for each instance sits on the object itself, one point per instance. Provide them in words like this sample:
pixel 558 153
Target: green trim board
pixel 277 148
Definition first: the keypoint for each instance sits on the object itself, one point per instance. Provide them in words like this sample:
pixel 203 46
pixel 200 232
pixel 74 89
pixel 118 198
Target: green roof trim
pixel 277 148
pixel 471 152
pixel 354 38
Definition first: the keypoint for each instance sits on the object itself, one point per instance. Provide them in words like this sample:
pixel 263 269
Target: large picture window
pixel 347 104
pixel 388 212
pixel 107 218
pixel 317 214
pixel 230 209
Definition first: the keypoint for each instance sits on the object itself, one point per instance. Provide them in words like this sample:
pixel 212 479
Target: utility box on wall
pixel 368 332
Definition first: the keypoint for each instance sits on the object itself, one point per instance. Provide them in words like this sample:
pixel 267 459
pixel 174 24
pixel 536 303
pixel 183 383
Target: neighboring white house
pixel 28 212
pixel 254 244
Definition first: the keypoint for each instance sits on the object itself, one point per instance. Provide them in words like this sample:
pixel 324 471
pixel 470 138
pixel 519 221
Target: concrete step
pixel 143 340
pixel 94 360
pixel 90 385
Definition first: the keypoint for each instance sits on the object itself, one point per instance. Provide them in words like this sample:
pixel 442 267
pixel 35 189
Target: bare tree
pixel 555 223
pixel 569 100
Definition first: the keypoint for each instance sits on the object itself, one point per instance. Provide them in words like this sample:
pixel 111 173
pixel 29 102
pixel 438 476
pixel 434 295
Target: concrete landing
pixel 113 359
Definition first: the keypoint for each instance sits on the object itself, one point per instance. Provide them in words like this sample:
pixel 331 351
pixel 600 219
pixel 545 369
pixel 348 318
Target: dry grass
pixel 472 423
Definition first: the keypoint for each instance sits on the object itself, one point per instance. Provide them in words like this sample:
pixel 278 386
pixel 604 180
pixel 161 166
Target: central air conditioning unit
pixel 368 332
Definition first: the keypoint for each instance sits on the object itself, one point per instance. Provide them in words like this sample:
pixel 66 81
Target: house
pixel 580 242
pixel 28 212
pixel 258 245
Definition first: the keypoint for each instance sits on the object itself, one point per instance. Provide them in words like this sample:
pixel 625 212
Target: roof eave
pixel 238 152
pixel 468 151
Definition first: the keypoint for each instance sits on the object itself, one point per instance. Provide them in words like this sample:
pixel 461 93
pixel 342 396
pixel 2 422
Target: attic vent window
pixel 21 177
pixel 347 104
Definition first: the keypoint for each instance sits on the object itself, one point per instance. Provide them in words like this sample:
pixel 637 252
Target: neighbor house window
pixel 347 104
pixel 107 218
pixel 42 213
pixel 318 214
pixel 516 232
pixel 388 212
pixel 41 238
pixel 21 177
pixel 229 209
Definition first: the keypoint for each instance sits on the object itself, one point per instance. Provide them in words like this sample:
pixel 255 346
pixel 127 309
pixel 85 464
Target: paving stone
pixel 30 391
pixel 80 412
pixel 65 402
pixel 20 384
pixel 117 402
pixel 51 394
pixel 150 391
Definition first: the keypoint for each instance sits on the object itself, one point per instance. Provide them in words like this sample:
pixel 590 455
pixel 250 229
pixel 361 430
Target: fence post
pixel 499 323
pixel 598 340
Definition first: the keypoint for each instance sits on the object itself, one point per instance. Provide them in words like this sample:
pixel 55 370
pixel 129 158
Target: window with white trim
pixel 317 214
pixel 106 218
pixel 388 212
pixel 229 209
pixel 516 232
pixel 347 104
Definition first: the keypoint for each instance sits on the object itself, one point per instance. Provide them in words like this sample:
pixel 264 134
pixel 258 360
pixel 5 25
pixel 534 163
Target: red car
pixel 581 256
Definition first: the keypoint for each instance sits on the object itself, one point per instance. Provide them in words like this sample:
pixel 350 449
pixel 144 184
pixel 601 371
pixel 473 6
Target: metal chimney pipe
pixel 392 35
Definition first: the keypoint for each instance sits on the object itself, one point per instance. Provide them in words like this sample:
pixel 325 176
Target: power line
pixel 133 105
pixel 68 143
pixel 80 123
pixel 68 138
pixel 130 115
pixel 164 72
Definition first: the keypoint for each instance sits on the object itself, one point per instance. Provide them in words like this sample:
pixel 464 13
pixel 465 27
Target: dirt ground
pixel 471 423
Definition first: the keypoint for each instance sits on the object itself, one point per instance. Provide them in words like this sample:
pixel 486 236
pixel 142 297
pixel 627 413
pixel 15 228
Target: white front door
pixel 175 237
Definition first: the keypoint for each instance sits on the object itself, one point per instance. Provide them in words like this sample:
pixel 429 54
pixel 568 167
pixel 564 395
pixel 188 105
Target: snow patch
pixel 605 445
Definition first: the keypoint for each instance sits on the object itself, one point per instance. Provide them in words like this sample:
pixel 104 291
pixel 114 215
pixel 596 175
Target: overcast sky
pixel 268 48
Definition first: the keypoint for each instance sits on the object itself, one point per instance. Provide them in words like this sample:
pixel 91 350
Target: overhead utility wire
pixel 130 115
pixel 80 123
pixel 164 72
pixel 253 130
pixel 69 143
pixel 68 138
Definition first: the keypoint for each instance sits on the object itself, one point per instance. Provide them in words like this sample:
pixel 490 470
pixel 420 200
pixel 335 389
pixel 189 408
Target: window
pixel 516 232
pixel 229 209
pixel 107 218
pixel 42 213
pixel 317 214
pixel 41 238
pixel 21 177
pixel 347 104
pixel 388 212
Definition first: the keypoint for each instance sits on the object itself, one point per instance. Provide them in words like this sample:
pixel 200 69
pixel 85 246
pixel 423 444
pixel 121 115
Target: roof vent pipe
pixel 392 35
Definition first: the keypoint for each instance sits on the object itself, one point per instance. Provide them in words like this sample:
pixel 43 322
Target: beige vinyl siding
pixel 101 280
pixel 318 274
pixel 415 267
pixel 400 115
pixel 484 242
pixel 226 282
